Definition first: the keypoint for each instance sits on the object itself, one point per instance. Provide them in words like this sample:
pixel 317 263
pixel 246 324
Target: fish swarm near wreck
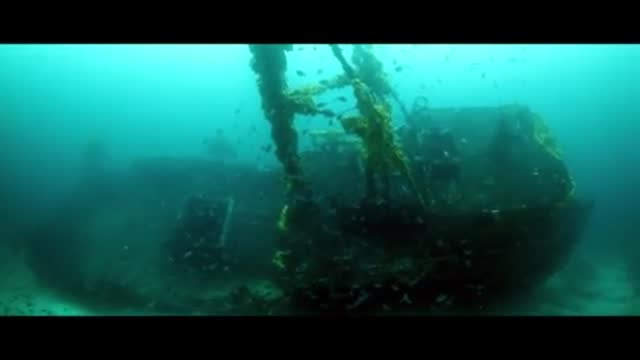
pixel 500 229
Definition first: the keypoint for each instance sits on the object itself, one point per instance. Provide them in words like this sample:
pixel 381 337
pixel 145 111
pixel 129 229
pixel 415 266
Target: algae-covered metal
pixel 501 217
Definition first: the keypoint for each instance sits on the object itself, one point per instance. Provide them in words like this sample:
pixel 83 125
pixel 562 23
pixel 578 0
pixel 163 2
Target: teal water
pixel 163 100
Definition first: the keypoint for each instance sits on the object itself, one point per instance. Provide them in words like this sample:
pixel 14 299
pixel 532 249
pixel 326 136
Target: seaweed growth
pixel 269 62
pixel 545 139
pixel 373 126
pixel 370 70
pixel 280 105
pixel 542 135
pixel 302 98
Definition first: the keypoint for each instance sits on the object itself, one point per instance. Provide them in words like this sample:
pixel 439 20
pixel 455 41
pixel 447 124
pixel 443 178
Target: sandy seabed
pixel 606 291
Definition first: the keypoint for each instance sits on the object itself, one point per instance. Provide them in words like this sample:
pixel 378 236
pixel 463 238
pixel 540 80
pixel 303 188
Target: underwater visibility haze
pixel 319 179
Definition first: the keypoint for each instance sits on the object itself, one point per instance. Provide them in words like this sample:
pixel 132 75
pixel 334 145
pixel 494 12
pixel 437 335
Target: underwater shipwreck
pixel 455 209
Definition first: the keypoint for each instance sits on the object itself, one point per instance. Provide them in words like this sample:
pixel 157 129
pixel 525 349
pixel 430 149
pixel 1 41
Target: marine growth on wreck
pixel 431 252
pixel 434 209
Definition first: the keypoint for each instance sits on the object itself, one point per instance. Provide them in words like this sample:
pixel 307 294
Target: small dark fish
pixel 398 68
pixel 267 148
pixel 300 48
pixel 305 131
pixel 300 73
pixel 315 48
pixel 328 113
pixel 342 98
pixel 483 75
pixel 321 104
pixel 236 111
pixel 324 82
pixel 319 72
